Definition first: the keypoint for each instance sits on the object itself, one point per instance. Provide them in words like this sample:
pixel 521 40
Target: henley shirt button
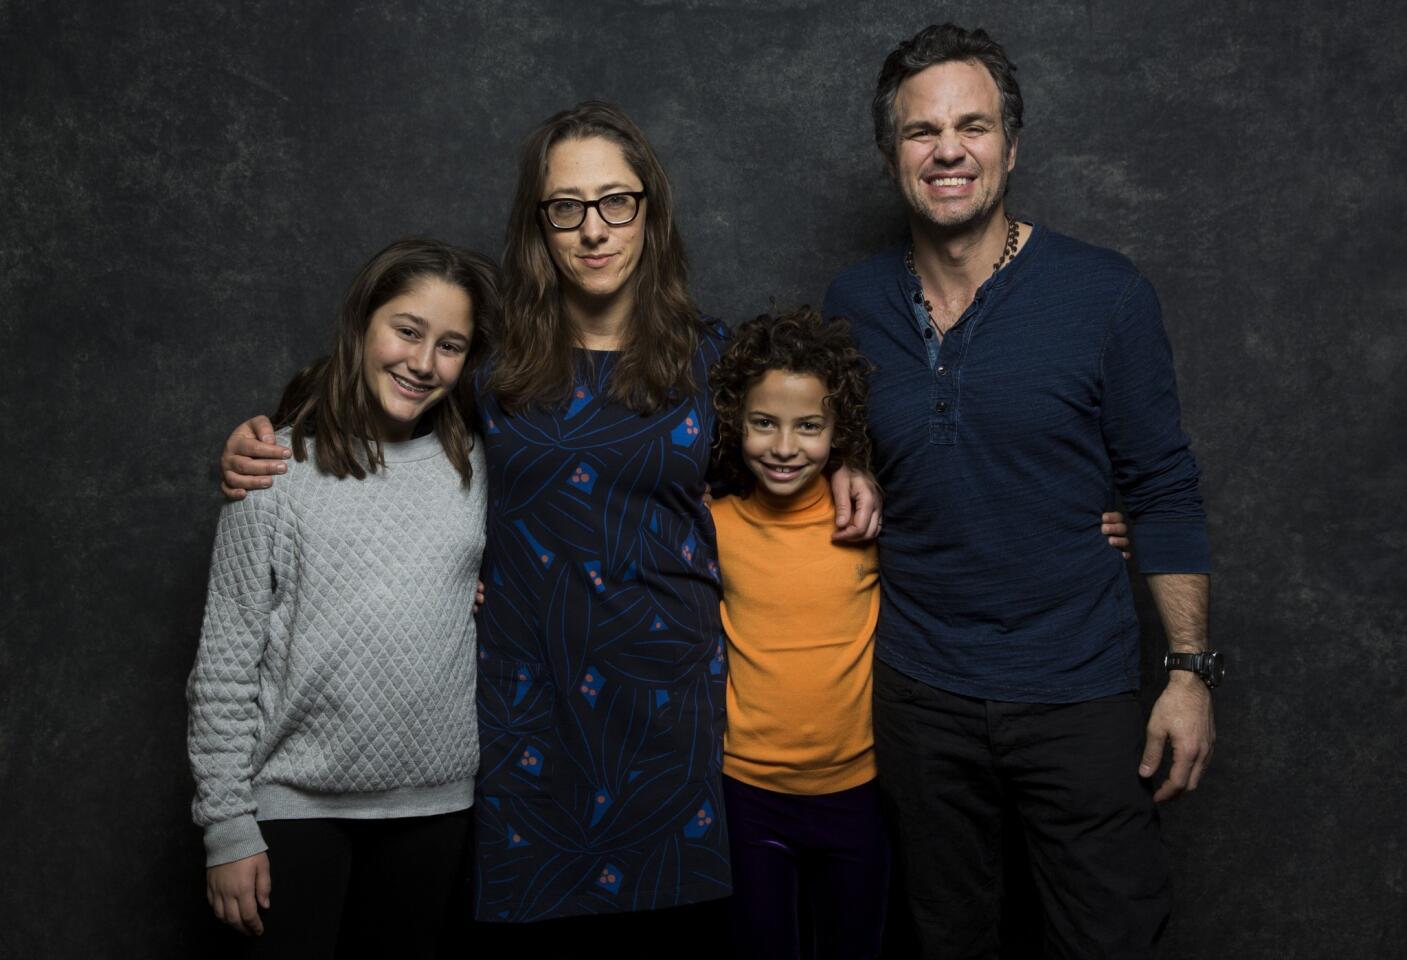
pixel 918 298
pixel 941 406
pixel 942 371
pixel 928 333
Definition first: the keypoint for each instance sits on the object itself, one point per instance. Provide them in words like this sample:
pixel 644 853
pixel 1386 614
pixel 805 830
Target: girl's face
pixel 596 260
pixel 415 349
pixel 786 431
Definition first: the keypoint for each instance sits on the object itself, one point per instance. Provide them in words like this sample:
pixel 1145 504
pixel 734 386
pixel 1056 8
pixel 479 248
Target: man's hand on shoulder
pixel 1182 719
pixel 858 515
pixel 250 459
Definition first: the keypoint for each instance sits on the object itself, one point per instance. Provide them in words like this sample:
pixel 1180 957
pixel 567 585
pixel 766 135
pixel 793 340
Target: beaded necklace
pixel 1008 251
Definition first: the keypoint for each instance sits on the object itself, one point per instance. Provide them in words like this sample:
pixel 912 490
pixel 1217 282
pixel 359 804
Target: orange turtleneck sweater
pixel 799 611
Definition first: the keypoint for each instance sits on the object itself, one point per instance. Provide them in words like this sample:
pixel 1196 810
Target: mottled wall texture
pixel 187 187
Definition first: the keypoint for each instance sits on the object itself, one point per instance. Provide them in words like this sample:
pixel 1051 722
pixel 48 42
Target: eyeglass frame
pixel 588 205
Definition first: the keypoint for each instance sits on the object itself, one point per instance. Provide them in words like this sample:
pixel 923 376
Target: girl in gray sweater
pixel 332 730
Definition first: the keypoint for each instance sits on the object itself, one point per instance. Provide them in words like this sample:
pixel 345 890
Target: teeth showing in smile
pixel 950 181
pixel 412 387
pixel 776 469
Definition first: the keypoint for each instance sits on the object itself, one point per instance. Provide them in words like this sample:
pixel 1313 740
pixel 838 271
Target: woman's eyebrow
pixel 605 188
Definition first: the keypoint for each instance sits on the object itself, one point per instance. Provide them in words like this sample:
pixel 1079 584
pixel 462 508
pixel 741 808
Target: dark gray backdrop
pixel 188 187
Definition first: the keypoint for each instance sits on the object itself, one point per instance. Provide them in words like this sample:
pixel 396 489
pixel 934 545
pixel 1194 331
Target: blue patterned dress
pixel 601 671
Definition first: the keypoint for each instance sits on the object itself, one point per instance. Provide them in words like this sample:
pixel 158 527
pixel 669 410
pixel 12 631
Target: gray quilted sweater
pixel 335 676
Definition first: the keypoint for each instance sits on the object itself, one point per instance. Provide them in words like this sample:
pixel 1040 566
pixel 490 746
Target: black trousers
pixel 355 888
pixel 949 765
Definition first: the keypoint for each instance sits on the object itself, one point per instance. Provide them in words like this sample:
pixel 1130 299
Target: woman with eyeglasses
pixel 601 674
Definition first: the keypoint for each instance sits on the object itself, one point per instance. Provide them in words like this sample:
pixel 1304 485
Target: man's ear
pixel 1011 153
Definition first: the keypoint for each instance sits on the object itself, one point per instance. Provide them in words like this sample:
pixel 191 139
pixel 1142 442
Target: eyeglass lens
pixel 616 209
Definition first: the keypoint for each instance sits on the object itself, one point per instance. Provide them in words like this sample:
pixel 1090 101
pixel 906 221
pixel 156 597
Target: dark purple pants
pixel 819 860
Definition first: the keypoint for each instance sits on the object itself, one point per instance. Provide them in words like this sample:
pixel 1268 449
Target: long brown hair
pixel 330 400
pixel 533 352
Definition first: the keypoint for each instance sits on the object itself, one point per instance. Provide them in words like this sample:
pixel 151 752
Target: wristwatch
pixel 1208 664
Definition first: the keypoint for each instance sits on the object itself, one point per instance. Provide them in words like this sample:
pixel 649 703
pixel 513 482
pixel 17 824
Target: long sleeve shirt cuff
pixel 1170 546
pixel 230 840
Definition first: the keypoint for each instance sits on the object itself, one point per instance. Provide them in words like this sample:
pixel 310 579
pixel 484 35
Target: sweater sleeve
pixel 223 688
pixel 1151 456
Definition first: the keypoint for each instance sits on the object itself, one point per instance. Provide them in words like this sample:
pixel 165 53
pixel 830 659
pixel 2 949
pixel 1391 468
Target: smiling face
pixel 786 431
pixel 595 261
pixel 951 159
pixel 414 353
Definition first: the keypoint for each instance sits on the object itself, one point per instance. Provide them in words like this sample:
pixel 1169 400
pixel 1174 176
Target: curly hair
pixel 797 341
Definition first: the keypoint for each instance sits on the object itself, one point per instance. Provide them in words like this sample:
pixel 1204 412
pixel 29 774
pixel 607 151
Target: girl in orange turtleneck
pixel 799 611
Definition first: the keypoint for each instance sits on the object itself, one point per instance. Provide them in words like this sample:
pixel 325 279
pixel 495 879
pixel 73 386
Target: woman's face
pixel 595 261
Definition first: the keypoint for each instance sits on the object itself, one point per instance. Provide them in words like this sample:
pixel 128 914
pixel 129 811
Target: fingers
pixel 840 490
pixel 875 525
pixel 227 909
pixel 1199 766
pixel 850 533
pixel 1202 761
pixel 235 890
pixel 857 511
pixel 261 428
pixel 243 473
pixel 237 448
pixel 862 519
pixel 263 883
pixel 1191 755
pixel 249 909
pixel 248 463
pixel 1176 783
pixel 858 524
pixel 1152 752
pixel 1113 527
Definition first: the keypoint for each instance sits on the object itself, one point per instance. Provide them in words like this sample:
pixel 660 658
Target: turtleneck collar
pixel 812 499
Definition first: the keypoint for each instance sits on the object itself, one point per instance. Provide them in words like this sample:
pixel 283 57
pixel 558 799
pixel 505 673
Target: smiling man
pixel 1021 378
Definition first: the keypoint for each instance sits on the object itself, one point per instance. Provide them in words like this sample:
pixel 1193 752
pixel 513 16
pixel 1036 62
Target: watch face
pixel 1215 668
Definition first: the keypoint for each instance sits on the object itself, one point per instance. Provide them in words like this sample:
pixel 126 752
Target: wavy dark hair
pixel 532 357
pixel 944 43
pixel 330 401
pixel 798 341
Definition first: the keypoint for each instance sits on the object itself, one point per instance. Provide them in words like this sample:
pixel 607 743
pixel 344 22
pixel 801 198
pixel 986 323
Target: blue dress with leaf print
pixel 601 670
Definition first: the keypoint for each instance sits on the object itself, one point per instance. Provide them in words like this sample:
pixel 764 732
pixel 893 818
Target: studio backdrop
pixel 188 187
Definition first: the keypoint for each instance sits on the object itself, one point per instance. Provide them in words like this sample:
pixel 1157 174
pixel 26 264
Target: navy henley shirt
pixel 997 446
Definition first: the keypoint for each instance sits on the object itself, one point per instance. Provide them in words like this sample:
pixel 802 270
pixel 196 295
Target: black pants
pixel 360 887
pixel 948 765
pixel 817 859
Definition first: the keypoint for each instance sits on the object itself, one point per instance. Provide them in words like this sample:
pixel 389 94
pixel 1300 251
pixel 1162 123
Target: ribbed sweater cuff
pixel 1163 546
pixel 231 840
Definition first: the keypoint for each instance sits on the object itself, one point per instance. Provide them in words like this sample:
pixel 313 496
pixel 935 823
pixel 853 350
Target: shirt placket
pixel 945 355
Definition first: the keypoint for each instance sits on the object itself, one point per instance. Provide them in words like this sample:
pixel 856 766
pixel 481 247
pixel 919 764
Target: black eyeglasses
pixel 616 209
